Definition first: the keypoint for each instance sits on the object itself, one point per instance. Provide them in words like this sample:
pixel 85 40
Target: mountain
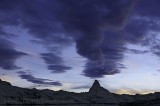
pixel 97 95
pixel 96 88
pixel 102 95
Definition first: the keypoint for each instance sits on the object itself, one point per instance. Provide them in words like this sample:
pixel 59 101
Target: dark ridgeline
pixel 97 95
pixel 4 83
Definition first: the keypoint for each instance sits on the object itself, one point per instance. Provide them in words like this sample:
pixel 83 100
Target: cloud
pixel 81 87
pixel 101 29
pixel 55 62
pixel 8 55
pixel 32 79
pixel 93 71
pixel 90 20
pixel 137 51
pixel 148 8
pixel 85 22
pixel 58 68
pixel 143 26
pixel 51 58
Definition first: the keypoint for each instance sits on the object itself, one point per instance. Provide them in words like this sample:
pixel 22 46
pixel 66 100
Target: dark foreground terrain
pixel 97 96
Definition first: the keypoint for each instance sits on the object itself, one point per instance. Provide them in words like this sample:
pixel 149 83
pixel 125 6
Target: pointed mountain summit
pixel 96 83
pixel 96 88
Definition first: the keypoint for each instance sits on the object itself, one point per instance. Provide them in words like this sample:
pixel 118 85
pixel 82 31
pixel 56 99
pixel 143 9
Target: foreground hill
pixel 97 95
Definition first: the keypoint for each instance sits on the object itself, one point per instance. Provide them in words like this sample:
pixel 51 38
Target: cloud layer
pixel 101 30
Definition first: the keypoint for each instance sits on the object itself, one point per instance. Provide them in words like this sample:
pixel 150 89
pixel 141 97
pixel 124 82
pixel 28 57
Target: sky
pixel 67 44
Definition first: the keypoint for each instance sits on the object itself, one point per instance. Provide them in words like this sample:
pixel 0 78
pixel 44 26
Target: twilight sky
pixel 67 44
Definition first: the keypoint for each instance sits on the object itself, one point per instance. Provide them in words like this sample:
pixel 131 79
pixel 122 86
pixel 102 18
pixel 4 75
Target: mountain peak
pixel 96 88
pixel 96 84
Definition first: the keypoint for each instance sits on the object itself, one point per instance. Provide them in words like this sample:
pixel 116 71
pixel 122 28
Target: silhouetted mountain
pixel 97 95
pixel 96 88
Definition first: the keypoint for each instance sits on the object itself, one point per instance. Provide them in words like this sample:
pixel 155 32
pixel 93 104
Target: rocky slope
pixel 14 95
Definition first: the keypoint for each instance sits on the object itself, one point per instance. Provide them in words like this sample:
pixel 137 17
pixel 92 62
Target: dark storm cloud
pixel 138 30
pixel 92 71
pixel 54 62
pixel 8 55
pixel 32 79
pixel 101 29
pixel 90 20
pixel 148 8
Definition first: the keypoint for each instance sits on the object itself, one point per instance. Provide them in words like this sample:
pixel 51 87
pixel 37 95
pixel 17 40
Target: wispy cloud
pixel 54 62
pixel 32 79
pixel 8 55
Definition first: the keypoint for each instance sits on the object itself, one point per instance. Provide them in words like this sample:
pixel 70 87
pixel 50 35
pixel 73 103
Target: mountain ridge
pixel 96 94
